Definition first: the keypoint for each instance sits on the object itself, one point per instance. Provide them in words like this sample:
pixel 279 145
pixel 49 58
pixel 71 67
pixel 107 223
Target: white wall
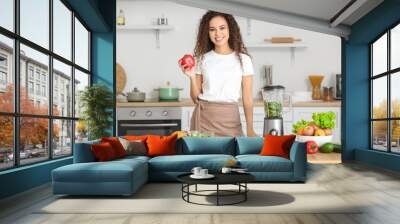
pixel 148 67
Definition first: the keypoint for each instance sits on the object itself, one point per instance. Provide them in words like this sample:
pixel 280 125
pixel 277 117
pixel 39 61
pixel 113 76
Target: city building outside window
pixel 30 87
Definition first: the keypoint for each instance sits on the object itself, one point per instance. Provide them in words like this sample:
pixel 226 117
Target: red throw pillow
pixel 116 145
pixel 161 145
pixel 103 151
pixel 277 145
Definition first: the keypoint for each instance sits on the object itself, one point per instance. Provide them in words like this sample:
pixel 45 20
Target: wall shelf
pixel 155 28
pixel 291 46
pixel 270 45
pixel 145 27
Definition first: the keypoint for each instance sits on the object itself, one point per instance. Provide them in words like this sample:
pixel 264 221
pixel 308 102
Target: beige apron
pixel 220 118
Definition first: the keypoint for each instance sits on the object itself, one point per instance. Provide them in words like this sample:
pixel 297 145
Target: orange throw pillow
pixel 116 145
pixel 103 152
pixel 161 145
pixel 277 145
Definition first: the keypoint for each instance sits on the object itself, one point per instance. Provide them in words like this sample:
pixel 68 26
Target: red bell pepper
pixel 187 61
pixel 312 147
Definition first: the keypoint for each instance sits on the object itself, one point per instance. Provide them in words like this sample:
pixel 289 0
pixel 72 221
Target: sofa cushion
pixel 249 145
pixel 161 145
pixel 116 145
pixel 277 145
pixel 257 163
pixel 103 152
pixel 112 171
pixel 83 152
pixel 185 163
pixel 210 145
pixel 133 158
pixel 134 147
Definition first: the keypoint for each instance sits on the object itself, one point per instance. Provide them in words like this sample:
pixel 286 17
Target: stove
pixel 148 120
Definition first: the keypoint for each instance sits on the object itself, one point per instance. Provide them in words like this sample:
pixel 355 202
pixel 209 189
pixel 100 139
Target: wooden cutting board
pixel 121 79
pixel 281 40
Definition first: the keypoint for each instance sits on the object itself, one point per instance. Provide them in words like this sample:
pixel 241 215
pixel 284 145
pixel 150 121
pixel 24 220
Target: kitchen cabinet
pixel 290 116
pixel 258 120
pixel 186 116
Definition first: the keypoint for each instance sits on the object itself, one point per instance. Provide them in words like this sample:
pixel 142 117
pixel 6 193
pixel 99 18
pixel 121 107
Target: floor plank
pixel 376 190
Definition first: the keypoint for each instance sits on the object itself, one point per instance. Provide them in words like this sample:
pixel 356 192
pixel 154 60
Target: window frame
pixel 18 40
pixel 388 74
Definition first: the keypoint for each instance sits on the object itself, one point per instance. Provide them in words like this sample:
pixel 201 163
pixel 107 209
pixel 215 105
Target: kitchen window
pixel 384 92
pixel 51 46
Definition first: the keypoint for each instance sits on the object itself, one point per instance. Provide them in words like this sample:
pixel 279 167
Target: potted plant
pixel 96 102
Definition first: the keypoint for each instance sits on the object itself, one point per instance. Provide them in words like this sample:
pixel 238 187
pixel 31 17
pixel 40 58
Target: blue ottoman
pixel 118 177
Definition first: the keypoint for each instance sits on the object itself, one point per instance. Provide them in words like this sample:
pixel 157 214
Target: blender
pixel 274 98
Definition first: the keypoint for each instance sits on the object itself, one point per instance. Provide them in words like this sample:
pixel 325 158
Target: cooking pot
pixel 136 95
pixel 168 93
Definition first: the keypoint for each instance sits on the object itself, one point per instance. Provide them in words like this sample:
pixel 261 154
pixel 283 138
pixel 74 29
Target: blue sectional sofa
pixel 125 176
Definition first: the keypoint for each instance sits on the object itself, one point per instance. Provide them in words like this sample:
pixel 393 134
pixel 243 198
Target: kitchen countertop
pixel 257 103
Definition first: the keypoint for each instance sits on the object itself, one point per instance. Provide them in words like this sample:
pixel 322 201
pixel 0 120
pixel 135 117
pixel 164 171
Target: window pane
pixel 395 47
pixel 34 101
pixel 395 136
pixel 6 142
pixel 35 21
pixel 379 135
pixel 7 14
pixel 62 29
pixel 379 55
pixel 81 45
pixel 33 139
pixel 81 81
pixel 6 74
pixel 62 89
pixel 62 138
pixel 81 132
pixel 379 97
pixel 395 94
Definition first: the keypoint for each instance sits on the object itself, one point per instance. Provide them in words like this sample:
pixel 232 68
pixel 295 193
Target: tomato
pixel 312 147
pixel 187 61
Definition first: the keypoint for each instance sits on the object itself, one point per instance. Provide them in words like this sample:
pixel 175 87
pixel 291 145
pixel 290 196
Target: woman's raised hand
pixel 187 70
pixel 187 64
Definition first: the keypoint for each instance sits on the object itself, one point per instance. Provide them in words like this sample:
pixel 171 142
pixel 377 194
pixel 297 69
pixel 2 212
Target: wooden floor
pixel 379 190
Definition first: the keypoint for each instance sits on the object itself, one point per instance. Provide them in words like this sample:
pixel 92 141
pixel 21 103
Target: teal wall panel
pixel 356 134
pixel 379 159
pixel 24 178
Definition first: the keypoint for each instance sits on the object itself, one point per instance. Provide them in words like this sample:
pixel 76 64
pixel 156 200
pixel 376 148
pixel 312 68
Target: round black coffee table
pixel 238 179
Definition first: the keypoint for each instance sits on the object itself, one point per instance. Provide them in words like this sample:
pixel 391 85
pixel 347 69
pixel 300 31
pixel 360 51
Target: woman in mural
pixel 223 68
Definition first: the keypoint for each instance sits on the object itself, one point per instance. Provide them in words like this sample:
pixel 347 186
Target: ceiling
pixel 320 9
pixel 333 17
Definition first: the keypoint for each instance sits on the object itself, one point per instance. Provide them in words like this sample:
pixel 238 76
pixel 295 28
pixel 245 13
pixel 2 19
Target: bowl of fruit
pixel 318 130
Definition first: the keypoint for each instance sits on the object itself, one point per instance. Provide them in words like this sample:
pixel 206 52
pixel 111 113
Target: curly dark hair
pixel 204 44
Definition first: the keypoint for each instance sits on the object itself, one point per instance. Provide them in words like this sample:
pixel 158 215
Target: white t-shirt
pixel 222 76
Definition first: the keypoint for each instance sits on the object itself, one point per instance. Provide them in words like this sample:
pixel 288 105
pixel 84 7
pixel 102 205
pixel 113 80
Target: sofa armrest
pixel 83 152
pixel 298 155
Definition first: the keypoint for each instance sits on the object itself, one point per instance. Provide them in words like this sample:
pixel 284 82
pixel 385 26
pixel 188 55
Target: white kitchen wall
pixel 148 67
